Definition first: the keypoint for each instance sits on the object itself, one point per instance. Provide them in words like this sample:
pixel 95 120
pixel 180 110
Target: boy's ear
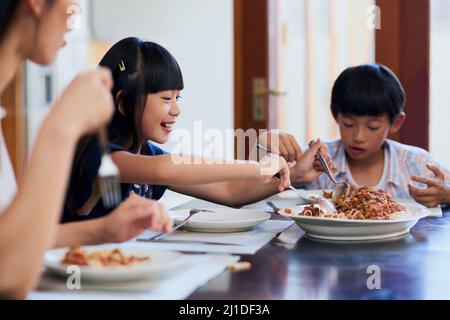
pixel 398 122
pixel 119 102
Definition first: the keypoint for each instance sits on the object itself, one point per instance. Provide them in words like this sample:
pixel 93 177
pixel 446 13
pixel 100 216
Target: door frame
pixel 403 44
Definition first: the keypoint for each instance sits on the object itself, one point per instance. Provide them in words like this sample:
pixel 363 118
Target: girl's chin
pixel 160 139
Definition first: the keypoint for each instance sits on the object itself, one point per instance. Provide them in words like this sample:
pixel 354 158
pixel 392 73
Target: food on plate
pixel 359 204
pixel 239 266
pixel 327 194
pixel 103 258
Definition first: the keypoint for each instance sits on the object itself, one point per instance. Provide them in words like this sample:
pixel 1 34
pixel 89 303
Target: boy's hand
pixel 285 145
pixel 281 143
pixel 437 191
pixel 308 167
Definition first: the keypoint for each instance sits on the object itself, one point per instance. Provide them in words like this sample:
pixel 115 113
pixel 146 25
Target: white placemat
pixel 248 242
pixel 197 271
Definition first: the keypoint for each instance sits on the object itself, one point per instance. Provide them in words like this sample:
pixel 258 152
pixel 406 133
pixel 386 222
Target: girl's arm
pixel 128 220
pixel 231 193
pixel 28 225
pixel 242 192
pixel 164 170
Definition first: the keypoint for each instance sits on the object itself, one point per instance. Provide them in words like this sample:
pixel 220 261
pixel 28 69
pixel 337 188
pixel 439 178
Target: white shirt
pixel 8 184
pixel 382 183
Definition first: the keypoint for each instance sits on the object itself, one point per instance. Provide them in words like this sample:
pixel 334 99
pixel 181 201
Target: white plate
pixel 221 220
pixel 357 230
pixel 160 263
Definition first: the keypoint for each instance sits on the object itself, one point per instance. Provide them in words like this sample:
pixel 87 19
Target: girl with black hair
pixel 29 214
pixel 147 86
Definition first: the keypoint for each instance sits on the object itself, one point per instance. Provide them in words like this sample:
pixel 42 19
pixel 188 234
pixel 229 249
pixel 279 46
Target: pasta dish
pixel 102 258
pixel 359 204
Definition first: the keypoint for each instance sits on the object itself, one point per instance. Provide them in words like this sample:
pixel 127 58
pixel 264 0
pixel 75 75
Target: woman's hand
pixel 308 167
pixel 86 104
pixel 272 165
pixel 437 191
pixel 134 216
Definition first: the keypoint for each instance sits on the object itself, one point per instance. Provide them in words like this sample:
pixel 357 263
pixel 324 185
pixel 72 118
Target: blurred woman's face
pixel 54 20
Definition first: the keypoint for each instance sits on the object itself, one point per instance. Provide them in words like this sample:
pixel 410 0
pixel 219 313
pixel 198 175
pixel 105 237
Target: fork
pixel 341 188
pixel 300 196
pixel 182 223
pixel 109 181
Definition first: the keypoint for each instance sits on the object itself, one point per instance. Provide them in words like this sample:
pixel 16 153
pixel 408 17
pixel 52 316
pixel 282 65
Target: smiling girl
pixel 147 86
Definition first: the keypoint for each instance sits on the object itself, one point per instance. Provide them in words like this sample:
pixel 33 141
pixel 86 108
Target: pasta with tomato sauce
pixel 103 258
pixel 360 204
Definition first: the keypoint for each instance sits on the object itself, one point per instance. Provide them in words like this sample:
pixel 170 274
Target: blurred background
pixel 262 64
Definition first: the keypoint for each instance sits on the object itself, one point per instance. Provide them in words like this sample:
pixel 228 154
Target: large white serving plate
pixel 358 230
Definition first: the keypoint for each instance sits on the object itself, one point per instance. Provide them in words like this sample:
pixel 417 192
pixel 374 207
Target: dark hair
pixel 7 11
pixel 370 89
pixel 138 68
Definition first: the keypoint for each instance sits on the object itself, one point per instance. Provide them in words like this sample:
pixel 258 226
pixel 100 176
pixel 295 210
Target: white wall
pixel 439 81
pixel 199 33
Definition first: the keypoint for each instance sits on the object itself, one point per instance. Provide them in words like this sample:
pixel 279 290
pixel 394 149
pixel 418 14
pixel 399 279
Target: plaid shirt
pixel 404 161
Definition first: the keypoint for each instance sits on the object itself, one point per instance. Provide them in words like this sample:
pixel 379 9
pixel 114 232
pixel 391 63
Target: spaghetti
pixel 103 258
pixel 360 204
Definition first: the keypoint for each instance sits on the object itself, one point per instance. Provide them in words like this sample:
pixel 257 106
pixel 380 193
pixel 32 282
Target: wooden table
pixel 416 266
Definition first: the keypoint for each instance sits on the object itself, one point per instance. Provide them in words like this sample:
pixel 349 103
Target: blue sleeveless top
pixel 89 174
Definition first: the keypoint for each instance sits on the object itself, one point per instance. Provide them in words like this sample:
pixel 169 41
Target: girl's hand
pixel 134 216
pixel 437 191
pixel 308 167
pixel 86 104
pixel 272 165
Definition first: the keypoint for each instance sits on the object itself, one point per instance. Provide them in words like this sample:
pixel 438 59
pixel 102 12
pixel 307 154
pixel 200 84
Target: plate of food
pixel 112 262
pixel 363 214
pixel 220 219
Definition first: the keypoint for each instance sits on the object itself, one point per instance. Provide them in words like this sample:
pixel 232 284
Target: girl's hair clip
pixel 122 66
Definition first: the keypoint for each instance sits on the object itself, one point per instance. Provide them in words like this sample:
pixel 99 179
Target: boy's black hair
pixel 368 90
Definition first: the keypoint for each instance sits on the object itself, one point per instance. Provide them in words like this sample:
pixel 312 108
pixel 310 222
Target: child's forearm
pixel 241 193
pixel 80 233
pixel 28 226
pixel 164 170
